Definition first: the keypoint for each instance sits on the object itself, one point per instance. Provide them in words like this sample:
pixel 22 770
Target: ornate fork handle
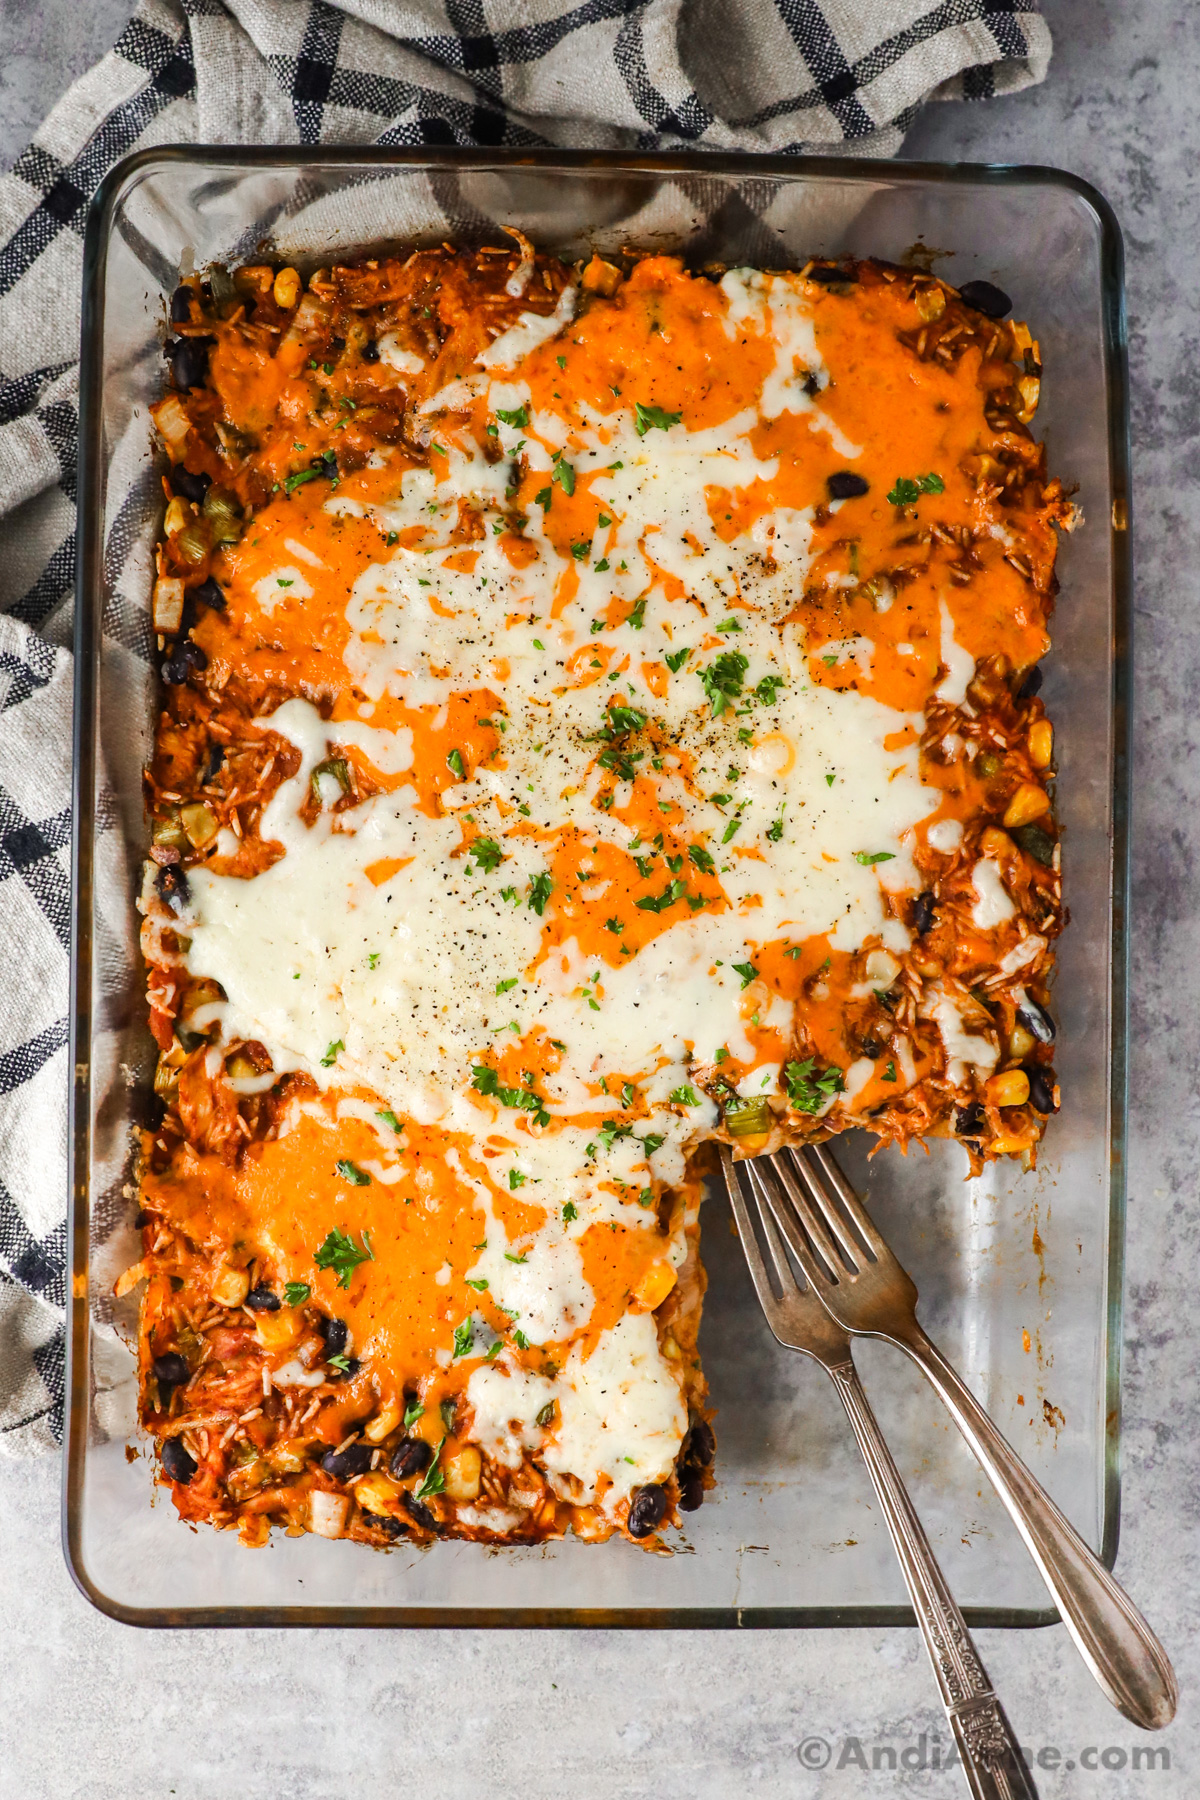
pixel 1114 1640
pixel 990 1758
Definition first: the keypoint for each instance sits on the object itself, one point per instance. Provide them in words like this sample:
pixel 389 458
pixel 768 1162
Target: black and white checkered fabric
pixel 768 75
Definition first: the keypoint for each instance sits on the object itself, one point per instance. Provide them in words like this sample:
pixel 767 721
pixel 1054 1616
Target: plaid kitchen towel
pixel 765 75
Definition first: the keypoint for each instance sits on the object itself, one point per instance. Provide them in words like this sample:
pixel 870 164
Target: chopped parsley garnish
pixel 653 418
pixel 389 1118
pixel 487 853
pixel 809 1090
pixel 300 477
pixel 520 1340
pixel 539 892
pixel 909 488
pixel 637 618
pixel 622 719
pixel 775 829
pixel 768 688
pixel 733 826
pixel 746 970
pixel 434 1480
pixel 579 551
pixel 543 497
pixel 486 1081
pixel 331 1055
pixel 570 1212
pixel 616 926
pixel 727 625
pixel 518 418
pixel 830 662
pixel 412 1412
pixel 353 1174
pixel 723 679
pixel 502 987
pixel 658 903
pixel 654 1141
pixel 295 1293
pixel 546 1414
pixel 868 857
pixel 463 1336
pixel 564 474
pixel 340 1253
pixel 524 1257
pixel 676 659
pixel 685 1095
pixel 454 763
pixel 516 1179
pixel 702 859
pixel 603 519
pixel 829 780
pixel 479 1286
pixel 889 1074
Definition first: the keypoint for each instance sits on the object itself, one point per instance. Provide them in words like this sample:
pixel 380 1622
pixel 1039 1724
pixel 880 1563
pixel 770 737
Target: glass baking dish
pixel 1020 1274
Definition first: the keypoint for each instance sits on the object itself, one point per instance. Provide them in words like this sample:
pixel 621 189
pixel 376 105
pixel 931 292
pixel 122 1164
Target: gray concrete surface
pixel 94 1711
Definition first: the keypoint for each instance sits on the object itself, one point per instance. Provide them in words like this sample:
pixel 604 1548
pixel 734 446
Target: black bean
pixel 336 346
pixel 261 1299
pixel 216 756
pixel 390 1527
pixel 189 361
pixel 1041 1088
pixel 418 1510
pixel 844 484
pixel 176 1462
pixel 171 884
pixel 170 1370
pixel 1037 1021
pixel 410 1458
pixel 336 1333
pixel 191 486
pixel 811 386
pixel 185 657
pixel 691 1491
pixel 355 1459
pixel 971 1121
pixel 1036 843
pixel 326 464
pixel 370 351
pixel 923 911
pixel 1031 682
pixel 985 297
pixel 826 276
pixel 647 1510
pixel 700 1446
pixel 181 306
pixel 208 593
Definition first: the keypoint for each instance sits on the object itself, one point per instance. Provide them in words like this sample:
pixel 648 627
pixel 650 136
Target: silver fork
pixel 990 1755
pixel 864 1289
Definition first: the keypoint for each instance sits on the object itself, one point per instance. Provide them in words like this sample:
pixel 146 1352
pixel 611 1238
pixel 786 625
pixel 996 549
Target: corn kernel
pixel 199 823
pixel 930 303
pixel 277 1330
pixel 327 1513
pixel 383 1424
pixel 996 844
pixel 655 1285
pixel 1041 743
pixel 286 289
pixel 1027 804
pixel 254 280
pixel 177 516
pixel 753 1143
pixel 462 1473
pixel 376 1493
pixel 1020 1042
pixel 288 1457
pixel 168 604
pixel 1008 1144
pixel 601 277
pixel 1009 1088
pixel 230 1286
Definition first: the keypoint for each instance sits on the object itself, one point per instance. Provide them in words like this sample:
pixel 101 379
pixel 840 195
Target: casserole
pixel 763 1558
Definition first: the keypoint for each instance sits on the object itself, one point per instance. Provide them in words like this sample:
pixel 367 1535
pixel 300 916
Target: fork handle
pixel 1114 1640
pixel 990 1756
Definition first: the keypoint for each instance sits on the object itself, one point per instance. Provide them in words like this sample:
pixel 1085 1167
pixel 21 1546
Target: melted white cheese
pixel 371 953
pixel 993 904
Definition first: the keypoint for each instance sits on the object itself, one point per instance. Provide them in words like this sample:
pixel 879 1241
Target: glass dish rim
pixel 87 643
